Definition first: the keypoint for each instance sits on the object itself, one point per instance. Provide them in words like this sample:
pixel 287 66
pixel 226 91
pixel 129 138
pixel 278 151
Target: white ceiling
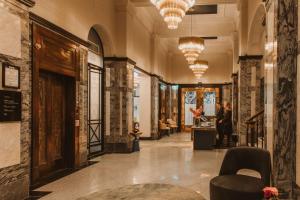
pixel 223 25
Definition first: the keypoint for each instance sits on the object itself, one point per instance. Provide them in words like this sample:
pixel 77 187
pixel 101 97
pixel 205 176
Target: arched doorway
pixel 95 95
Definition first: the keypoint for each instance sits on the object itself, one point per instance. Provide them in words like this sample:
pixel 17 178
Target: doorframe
pixel 73 162
pixel 102 107
pixel 183 86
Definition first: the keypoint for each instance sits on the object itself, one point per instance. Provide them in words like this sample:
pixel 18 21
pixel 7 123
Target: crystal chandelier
pixel 191 46
pixel 199 66
pixel 173 11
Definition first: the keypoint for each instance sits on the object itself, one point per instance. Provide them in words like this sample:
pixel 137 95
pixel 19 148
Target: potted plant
pixel 271 193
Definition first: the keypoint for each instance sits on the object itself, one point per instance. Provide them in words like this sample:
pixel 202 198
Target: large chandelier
pixel 199 66
pixel 191 47
pixel 173 11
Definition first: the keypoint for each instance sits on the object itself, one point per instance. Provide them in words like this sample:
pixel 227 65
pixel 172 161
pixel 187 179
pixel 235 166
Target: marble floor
pixel 170 160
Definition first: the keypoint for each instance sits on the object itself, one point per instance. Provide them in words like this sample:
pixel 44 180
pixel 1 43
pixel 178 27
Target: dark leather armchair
pixel 231 186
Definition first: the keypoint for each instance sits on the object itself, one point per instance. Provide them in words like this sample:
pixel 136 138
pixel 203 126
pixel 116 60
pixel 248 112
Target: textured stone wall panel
pixel 285 92
pixel 83 106
pixel 154 106
pixel 121 102
pixel 245 90
pixel 16 178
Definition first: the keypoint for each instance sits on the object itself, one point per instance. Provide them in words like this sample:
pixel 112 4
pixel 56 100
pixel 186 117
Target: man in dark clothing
pixel 227 123
pixel 219 124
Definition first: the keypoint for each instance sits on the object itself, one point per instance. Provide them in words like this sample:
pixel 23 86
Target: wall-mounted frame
pixel 10 76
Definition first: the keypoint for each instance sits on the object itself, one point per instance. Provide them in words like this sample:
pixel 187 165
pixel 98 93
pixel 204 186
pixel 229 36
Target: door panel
pixel 52 123
pixel 42 121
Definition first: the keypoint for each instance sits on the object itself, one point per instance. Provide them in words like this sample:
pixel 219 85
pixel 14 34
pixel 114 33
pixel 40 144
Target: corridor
pixel 170 160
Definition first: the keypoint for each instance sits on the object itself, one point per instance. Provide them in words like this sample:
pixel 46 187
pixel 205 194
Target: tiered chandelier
pixel 191 46
pixel 199 68
pixel 173 11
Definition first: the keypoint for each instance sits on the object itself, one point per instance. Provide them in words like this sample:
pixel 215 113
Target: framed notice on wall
pixel 10 76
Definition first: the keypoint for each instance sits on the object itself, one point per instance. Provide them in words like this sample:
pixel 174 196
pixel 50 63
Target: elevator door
pixel 55 134
pixel 52 133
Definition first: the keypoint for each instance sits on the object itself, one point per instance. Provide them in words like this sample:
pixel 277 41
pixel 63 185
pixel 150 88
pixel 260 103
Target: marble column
pixel 168 102
pixel 227 93
pixel 256 88
pixel 119 105
pixel 82 100
pixel 248 66
pixel 15 170
pixel 285 96
pixel 174 103
pixel 154 106
pixel 235 97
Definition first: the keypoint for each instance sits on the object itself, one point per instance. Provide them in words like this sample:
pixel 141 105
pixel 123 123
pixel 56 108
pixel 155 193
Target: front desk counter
pixel 204 137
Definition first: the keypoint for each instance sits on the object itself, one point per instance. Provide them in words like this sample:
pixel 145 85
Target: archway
pixel 107 42
pixel 256 36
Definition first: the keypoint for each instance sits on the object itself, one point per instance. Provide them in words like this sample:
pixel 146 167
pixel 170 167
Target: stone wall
pixel 82 95
pixel 168 102
pixel 14 182
pixel 235 97
pixel 154 106
pixel 174 103
pixel 285 96
pixel 247 91
pixel 227 93
pixel 119 87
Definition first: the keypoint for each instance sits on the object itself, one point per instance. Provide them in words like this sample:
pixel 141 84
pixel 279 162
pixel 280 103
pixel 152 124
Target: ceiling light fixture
pixel 191 46
pixel 199 65
pixel 199 68
pixel 173 11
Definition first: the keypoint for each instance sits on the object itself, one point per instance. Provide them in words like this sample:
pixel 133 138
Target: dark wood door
pixel 55 136
pixel 52 124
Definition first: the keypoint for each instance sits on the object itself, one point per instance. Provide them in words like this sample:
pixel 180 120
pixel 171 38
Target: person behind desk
pixel 198 115
pixel 227 123
pixel 219 124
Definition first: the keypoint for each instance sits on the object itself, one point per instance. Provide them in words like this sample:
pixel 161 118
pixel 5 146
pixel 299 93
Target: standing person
pixel 198 115
pixel 219 118
pixel 227 123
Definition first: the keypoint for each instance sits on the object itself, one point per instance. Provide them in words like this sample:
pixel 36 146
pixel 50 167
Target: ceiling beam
pixel 146 3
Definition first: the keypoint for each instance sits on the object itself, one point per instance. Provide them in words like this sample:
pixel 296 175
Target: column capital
pixel 250 57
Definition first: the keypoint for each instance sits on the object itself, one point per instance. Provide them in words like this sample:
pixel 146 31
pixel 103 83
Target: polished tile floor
pixel 170 160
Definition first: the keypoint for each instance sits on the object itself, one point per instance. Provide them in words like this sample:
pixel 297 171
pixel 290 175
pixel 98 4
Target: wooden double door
pixel 55 61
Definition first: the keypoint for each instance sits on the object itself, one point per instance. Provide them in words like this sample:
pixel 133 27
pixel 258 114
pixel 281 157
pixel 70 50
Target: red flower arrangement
pixel 271 193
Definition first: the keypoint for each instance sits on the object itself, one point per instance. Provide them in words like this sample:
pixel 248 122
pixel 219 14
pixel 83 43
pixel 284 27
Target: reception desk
pixel 204 136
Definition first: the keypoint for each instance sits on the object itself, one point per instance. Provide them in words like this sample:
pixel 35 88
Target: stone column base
pixel 118 144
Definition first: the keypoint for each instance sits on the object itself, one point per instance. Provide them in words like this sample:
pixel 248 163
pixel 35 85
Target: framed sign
pixel 10 106
pixel 10 76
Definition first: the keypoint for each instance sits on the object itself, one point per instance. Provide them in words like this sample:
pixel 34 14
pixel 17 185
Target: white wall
pixel 219 71
pixel 145 105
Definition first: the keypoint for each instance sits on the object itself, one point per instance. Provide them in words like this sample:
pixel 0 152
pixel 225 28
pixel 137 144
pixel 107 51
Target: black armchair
pixel 231 186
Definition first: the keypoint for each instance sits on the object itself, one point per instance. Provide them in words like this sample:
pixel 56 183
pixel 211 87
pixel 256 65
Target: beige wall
pixel 77 17
pixel 145 105
pixel 123 30
pixel 220 69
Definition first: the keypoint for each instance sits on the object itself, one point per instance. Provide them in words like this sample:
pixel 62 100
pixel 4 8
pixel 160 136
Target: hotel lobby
pixel 149 100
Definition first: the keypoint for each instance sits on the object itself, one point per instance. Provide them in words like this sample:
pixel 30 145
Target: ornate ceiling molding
pixel 29 3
